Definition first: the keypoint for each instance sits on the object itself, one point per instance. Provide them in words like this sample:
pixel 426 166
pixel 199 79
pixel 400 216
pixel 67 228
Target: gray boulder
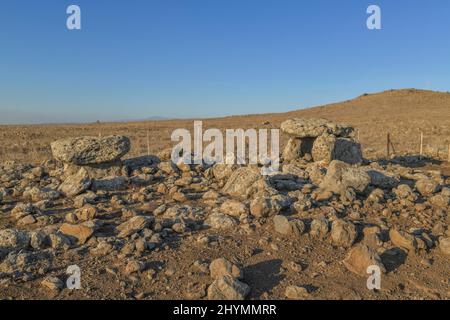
pixel 315 127
pixel 319 227
pixel 360 257
pixel 228 288
pixel 11 239
pixel 285 226
pixel 347 150
pixel 134 225
pixel 341 176
pixel 241 180
pixel 110 183
pixel 343 233
pixel 96 171
pixel 444 245
pixel 328 148
pixel 323 148
pixel 220 221
pixel 297 148
pixel 75 184
pixel 292 149
pixel 427 187
pixel 90 150
pixel 383 179
pixel 222 171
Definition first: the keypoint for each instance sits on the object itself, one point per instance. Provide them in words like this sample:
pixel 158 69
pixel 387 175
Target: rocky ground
pixel 404 114
pixel 147 228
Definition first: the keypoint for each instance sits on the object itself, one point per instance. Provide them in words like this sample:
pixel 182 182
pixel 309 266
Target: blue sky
pixel 199 58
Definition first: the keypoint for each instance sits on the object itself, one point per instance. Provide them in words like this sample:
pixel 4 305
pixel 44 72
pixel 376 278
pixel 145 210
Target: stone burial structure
pixel 91 162
pixel 90 150
pixel 320 140
pixel 133 218
pixel 99 156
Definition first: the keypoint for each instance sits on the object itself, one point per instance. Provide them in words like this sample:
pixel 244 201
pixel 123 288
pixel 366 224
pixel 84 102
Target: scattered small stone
pixel 282 225
pixel 360 257
pixel 228 288
pixel 169 272
pixel 27 220
pixel 444 245
pixel 426 187
pixel 134 225
pixel 233 208
pixel 82 232
pixel 296 267
pixel 222 267
pixel 14 239
pixel 220 221
pixel 403 239
pixel 319 227
pixel 343 233
pixel 134 266
pixel 52 283
pixel 296 293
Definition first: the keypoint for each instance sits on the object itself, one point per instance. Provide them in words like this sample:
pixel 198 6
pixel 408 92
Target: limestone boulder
pixel 341 176
pixel 241 180
pixel 328 147
pixel 315 127
pixel 360 257
pixel 90 150
pixel 75 184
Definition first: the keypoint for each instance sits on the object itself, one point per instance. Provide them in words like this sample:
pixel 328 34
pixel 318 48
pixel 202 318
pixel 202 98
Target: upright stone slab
pixel 324 140
pixel 347 150
pixel 328 147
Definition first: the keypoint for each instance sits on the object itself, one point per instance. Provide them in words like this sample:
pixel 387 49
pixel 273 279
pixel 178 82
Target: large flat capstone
pixel 90 150
pixel 315 127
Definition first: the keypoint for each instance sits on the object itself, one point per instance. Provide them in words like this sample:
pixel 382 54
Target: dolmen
pixel 320 140
pixel 100 156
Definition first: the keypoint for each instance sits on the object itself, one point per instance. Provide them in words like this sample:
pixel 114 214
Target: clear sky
pixel 136 59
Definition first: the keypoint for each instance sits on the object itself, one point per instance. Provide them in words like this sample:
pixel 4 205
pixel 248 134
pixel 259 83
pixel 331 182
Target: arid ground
pixel 402 113
pixel 171 259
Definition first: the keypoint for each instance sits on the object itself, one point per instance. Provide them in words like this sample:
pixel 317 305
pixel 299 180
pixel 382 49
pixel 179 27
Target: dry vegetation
pixel 162 231
pixel 402 113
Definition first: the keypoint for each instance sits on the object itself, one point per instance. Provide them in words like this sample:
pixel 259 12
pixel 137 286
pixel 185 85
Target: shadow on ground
pixel 393 258
pixel 411 161
pixel 263 276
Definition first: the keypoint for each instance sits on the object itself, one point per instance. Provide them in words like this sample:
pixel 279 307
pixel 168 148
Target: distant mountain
pixel 157 118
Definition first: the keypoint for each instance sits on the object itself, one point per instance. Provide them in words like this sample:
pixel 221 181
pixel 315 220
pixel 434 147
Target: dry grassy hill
pixel 402 113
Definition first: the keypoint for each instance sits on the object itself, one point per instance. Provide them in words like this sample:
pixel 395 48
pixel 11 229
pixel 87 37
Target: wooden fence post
pixel 421 145
pixel 388 142
pixel 148 142
pixel 448 158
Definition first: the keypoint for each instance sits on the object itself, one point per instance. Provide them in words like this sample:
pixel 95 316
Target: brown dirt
pixel 402 113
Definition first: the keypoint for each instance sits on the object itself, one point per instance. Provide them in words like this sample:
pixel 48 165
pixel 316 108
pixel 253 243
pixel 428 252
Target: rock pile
pixel 320 140
pixel 149 223
pixel 100 156
pixel 91 162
